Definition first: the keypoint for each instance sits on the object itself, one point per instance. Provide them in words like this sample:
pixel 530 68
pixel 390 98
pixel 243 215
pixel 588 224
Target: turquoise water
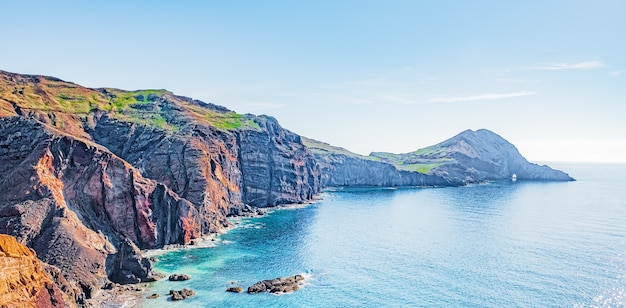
pixel 501 244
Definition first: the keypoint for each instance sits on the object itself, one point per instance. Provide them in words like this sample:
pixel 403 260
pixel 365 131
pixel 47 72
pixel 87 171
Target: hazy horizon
pixel 363 75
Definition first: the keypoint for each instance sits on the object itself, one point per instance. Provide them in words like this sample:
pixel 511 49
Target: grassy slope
pixel 423 160
pixel 51 95
pixel 414 161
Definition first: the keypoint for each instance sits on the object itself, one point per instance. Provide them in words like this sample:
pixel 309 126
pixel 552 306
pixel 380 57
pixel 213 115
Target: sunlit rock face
pixel 23 280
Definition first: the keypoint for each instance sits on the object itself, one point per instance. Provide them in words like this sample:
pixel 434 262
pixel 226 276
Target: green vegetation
pixel 168 112
pixel 230 121
pixel 224 121
pixel 427 151
pixel 424 168
pixel 423 160
pixel 123 99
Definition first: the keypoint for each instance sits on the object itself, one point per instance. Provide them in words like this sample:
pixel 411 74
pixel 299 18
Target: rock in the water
pixel 236 289
pixel 278 285
pixel 179 277
pixel 153 296
pixel 181 294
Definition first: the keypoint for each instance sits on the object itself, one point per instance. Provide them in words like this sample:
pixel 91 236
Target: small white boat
pixel 514 177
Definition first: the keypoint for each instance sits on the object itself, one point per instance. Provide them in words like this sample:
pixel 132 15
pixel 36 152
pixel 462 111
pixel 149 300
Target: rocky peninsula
pixel 88 177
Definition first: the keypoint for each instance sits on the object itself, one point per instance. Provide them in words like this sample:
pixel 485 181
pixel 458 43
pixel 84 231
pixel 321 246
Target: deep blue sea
pixel 502 244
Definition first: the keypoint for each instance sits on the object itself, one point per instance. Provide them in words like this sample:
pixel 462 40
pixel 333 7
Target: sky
pixel 393 76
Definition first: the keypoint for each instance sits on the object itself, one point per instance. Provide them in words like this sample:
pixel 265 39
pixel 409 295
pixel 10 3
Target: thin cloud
pixel 587 65
pixel 480 97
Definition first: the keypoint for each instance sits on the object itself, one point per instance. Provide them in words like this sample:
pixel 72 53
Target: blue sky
pixel 549 76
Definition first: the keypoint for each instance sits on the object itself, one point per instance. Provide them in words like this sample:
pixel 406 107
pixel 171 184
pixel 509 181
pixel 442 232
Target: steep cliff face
pixel 77 204
pixel 23 280
pixel 277 168
pixel 474 156
pixel 88 176
pixel 340 167
pixel 199 165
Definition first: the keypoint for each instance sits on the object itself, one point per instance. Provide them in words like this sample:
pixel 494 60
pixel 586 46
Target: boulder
pixel 236 289
pixel 278 285
pixel 182 294
pixel 179 277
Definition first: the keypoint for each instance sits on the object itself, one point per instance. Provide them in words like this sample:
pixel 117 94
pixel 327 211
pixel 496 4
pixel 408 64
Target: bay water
pixel 501 244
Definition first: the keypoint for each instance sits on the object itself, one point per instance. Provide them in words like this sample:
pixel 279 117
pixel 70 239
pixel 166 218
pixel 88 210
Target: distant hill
pixel 469 157
pixel 473 156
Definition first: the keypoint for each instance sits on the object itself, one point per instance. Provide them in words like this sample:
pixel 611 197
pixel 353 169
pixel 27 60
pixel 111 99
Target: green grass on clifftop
pixel 153 107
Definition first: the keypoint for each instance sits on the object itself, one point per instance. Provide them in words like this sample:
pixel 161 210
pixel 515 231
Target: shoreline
pixel 132 295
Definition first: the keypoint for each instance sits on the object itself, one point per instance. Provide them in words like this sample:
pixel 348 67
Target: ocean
pixel 501 244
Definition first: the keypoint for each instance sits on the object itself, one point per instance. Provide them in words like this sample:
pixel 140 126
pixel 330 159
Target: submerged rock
pixel 236 289
pixel 153 296
pixel 278 285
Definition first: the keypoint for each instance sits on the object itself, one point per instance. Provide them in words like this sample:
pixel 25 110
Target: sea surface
pixel 502 244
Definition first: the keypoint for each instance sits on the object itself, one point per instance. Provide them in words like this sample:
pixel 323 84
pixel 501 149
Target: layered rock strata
pixel 23 279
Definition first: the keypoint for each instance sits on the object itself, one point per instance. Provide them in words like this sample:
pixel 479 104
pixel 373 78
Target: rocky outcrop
pixel 341 170
pixel 278 285
pixel 181 294
pixel 179 277
pixel 234 289
pixel 340 167
pixel 23 280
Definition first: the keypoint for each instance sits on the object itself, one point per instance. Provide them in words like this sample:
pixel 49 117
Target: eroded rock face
pixel 277 168
pixel 58 194
pixel 199 164
pixel 23 281
pixel 342 170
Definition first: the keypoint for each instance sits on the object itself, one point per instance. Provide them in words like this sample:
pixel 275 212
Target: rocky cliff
pixel 89 176
pixel 340 167
pixel 470 157
pixel 23 279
